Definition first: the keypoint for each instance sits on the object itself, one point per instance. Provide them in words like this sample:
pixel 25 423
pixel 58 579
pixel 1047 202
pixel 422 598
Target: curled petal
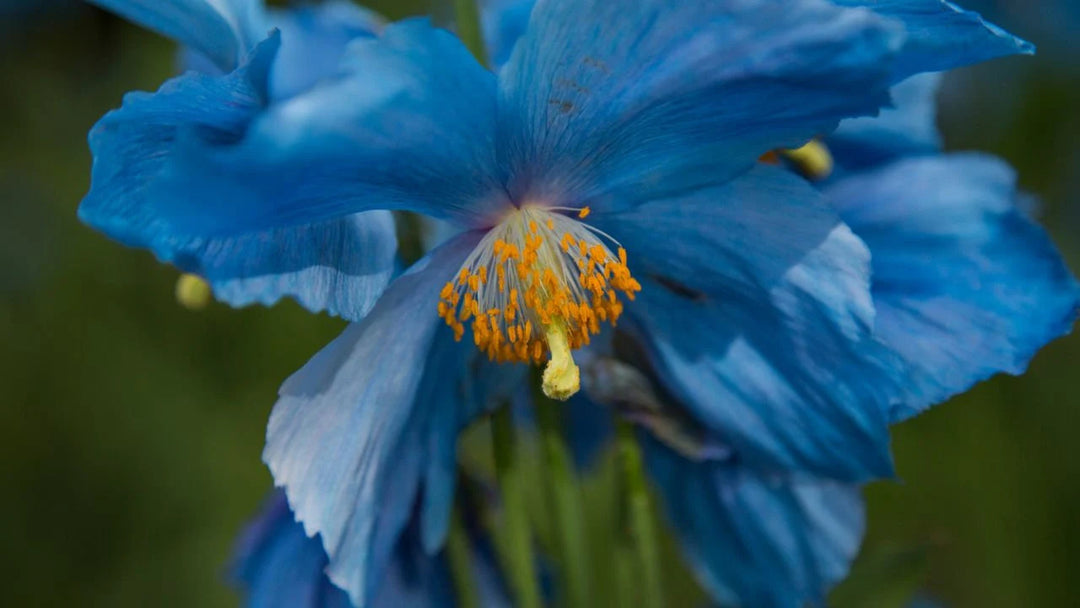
pixel 965 285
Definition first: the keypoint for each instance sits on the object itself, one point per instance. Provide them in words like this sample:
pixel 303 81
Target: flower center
pixel 538 283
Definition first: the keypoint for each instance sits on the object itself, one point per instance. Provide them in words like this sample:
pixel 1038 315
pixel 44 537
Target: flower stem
pixel 517 536
pixel 565 504
pixel 459 554
pixel 638 522
pixel 467 18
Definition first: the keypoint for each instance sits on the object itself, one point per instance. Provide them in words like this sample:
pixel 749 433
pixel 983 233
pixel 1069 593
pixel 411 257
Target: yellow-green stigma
pixel 192 292
pixel 812 160
pixel 539 283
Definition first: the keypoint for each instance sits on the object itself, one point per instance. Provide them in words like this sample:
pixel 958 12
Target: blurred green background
pixel 131 429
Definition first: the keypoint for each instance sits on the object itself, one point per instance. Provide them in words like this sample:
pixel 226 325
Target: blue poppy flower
pixel 611 165
pixel 278 566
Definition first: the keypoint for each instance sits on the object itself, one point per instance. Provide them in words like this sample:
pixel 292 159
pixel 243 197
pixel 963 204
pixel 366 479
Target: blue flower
pixel 609 167
pixel 279 566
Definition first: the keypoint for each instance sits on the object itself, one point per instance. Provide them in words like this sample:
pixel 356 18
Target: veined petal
pixel 408 125
pixel 942 35
pixel 769 542
pixel 338 265
pixel 614 103
pixel 755 311
pixel 354 432
pixel 908 128
pixel 965 285
pixel 222 30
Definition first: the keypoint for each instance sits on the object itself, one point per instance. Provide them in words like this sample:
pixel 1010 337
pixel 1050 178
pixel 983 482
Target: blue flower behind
pixel 633 128
pixel 755 539
pixel 279 566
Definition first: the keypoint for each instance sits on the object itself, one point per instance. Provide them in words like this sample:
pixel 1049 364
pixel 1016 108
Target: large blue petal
pixel 362 429
pixel 313 42
pixel 613 103
pixel 942 35
pixel 909 128
pixel 755 310
pixel 222 30
pixel 338 265
pixel 408 125
pixel 965 285
pixel 758 541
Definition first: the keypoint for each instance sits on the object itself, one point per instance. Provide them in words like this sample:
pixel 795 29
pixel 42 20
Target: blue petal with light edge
pixel 942 35
pixel 359 433
pixel 409 124
pixel 612 103
pixel 964 284
pixel 755 311
pixel 768 542
pixel 222 30
pixel 908 128
pixel 339 265
pixel 313 42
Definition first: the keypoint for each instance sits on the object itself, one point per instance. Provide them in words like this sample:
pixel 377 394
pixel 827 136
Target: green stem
pixel 639 518
pixel 565 498
pixel 518 538
pixel 467 17
pixel 459 554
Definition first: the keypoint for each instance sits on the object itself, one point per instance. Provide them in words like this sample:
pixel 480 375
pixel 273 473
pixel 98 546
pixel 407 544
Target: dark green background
pixel 131 429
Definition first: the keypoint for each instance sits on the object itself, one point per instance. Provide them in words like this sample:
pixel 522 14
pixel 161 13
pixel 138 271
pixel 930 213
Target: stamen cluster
pixel 536 274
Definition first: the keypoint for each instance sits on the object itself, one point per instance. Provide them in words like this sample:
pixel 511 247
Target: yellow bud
pixel 192 292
